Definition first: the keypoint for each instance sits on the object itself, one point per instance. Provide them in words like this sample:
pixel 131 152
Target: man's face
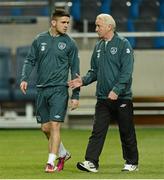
pixel 61 24
pixel 102 28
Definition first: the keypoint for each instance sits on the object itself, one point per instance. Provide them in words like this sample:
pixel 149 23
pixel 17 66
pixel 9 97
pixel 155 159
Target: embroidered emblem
pixel 61 45
pixel 113 50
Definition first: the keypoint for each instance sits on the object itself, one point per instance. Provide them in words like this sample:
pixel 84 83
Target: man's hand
pixel 23 86
pixel 75 83
pixel 112 95
pixel 74 103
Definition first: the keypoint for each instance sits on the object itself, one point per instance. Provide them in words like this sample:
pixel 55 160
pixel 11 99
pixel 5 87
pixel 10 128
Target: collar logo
pixel 113 50
pixel 61 45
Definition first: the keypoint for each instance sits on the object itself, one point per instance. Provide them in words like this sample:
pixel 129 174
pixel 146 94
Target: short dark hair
pixel 59 13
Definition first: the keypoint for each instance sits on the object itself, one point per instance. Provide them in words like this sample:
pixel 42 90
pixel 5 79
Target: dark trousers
pixel 122 112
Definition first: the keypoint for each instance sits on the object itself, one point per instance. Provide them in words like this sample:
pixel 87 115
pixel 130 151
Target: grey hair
pixel 108 19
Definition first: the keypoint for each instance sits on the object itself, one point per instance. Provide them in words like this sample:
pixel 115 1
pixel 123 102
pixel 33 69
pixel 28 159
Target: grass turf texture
pixel 23 154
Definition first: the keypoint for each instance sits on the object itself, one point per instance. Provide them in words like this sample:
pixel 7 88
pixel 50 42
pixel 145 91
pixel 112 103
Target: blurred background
pixel 141 21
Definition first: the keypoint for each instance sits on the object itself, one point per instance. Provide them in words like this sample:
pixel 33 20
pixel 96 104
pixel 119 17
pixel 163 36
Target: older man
pixel 112 67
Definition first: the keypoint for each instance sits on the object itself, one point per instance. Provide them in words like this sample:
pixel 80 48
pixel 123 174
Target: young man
pixel 54 53
pixel 112 67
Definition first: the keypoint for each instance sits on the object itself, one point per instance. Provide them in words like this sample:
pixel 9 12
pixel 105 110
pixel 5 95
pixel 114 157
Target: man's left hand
pixel 112 95
pixel 74 104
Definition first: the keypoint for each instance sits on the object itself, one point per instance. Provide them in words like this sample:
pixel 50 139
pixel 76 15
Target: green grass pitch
pixel 23 154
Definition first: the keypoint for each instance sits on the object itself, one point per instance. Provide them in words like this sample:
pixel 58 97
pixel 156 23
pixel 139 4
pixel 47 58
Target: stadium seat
pixel 105 6
pixel 21 54
pixel 5 11
pixel 5 74
pixel 16 11
pixel 121 25
pixel 149 9
pixel 159 41
pixel 44 11
pixel 145 26
pixel 120 11
pixel 130 28
pixel 75 10
pixel 161 13
pixel 88 11
pixel 134 9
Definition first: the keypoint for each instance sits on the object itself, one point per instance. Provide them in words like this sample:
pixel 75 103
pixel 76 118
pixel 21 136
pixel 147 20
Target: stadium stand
pixel 134 9
pixel 21 54
pixel 24 8
pixel 5 74
pixel 12 101
pixel 120 11
pixel 161 15
pixel 130 16
pixel 130 28
pixel 144 26
pixel 148 94
pixel 105 6
pixel 84 16
pixel 149 9
pixel 159 41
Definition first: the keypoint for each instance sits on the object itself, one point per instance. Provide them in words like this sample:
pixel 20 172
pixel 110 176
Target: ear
pixel 53 22
pixel 110 26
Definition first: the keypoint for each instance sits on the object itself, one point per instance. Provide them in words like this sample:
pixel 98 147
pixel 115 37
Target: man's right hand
pixel 23 86
pixel 75 83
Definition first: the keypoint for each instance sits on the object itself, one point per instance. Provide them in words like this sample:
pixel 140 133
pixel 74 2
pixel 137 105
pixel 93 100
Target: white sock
pixel 62 150
pixel 51 158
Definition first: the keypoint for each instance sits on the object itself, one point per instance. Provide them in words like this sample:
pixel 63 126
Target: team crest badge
pixel 61 45
pixel 113 50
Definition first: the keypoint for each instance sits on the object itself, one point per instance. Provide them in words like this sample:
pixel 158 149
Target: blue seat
pixel 16 11
pixel 5 74
pixel 159 41
pixel 130 28
pixel 161 10
pixel 149 9
pixel 75 10
pixel 86 10
pixel 145 26
pixel 21 54
pixel 134 9
pixel 121 25
pixel 105 6
pixel 120 11
pixel 44 11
